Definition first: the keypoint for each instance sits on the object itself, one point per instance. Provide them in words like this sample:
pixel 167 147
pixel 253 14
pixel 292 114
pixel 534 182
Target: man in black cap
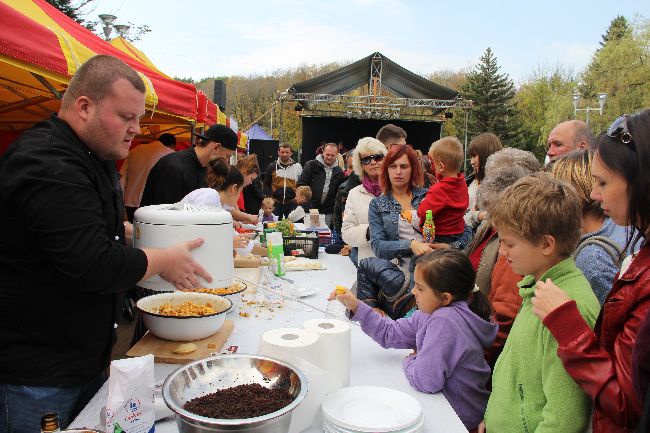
pixel 177 174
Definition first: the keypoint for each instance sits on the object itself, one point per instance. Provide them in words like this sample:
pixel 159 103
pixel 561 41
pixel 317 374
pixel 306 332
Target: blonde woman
pixel 598 254
pixel 367 160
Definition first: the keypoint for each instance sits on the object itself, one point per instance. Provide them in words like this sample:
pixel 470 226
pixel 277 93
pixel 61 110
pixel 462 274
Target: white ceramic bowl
pixel 235 297
pixel 188 328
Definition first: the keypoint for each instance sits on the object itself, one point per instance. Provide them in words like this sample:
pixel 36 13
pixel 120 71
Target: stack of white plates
pixel 359 409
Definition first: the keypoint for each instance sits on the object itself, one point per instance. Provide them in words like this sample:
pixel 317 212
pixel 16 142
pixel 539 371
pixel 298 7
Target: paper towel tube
pixel 335 346
pixel 296 342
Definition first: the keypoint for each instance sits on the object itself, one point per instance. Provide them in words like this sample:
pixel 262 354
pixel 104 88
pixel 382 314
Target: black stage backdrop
pixel 349 131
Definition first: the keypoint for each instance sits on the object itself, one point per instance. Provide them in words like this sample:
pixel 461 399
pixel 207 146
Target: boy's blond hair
pixel 304 191
pixel 539 205
pixel 449 151
pixel 268 201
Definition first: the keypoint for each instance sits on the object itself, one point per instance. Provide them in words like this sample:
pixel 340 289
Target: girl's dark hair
pixel 631 161
pixel 450 271
pixel 221 175
pixel 483 145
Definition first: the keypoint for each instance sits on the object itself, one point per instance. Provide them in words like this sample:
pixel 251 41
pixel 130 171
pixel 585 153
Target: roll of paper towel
pixel 295 342
pixel 334 345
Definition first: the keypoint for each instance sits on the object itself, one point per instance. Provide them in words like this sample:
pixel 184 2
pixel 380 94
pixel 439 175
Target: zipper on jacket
pixel 522 412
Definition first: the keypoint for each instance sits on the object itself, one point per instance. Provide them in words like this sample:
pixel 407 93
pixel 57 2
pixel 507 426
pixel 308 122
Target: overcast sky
pixel 198 39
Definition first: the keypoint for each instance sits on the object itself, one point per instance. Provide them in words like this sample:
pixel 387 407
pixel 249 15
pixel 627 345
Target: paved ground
pixel 124 335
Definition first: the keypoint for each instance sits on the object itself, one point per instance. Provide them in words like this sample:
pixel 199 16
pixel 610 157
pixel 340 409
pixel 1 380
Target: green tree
pixel 618 29
pixel 495 108
pixel 544 100
pixel 620 68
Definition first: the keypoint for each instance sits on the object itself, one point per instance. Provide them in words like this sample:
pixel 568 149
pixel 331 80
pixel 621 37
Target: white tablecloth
pixel 370 364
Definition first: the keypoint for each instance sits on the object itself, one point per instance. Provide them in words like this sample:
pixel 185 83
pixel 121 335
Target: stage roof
pixel 396 79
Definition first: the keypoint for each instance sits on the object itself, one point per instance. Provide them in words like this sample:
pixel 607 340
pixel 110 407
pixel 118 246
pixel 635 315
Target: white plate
pixel 371 409
pixel 329 427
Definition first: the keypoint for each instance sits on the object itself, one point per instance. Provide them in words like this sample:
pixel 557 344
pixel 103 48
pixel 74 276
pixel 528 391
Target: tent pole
pixel 281 120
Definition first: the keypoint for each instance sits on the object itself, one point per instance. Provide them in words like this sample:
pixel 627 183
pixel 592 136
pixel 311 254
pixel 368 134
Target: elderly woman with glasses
pixel 602 361
pixel 366 160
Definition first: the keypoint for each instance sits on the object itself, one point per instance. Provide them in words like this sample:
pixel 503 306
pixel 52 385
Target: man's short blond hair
pixel 539 205
pixel 94 79
pixel 449 151
pixel 304 191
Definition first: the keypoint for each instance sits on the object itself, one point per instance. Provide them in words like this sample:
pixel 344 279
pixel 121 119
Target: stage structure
pixel 356 100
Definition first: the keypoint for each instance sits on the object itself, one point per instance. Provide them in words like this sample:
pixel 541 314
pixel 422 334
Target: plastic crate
pixel 306 243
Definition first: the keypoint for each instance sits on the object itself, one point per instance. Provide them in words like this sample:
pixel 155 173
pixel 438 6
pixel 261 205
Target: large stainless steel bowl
pixel 225 371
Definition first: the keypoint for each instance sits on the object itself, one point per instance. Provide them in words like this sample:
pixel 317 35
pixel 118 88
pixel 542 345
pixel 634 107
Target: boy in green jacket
pixel 538 220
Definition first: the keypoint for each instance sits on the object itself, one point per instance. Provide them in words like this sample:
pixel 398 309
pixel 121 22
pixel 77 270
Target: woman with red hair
pixel 384 281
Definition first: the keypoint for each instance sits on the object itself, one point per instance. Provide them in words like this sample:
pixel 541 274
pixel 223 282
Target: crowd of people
pixel 529 310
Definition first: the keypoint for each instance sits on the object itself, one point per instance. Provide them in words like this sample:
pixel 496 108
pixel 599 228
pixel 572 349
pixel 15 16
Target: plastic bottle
pixel 429 229
pixel 275 248
pixel 50 423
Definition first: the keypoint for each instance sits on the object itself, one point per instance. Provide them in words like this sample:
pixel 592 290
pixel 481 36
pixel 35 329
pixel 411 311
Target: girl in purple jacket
pixel 448 333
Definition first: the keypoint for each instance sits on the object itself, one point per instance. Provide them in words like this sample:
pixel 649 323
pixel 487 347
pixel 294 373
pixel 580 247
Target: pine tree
pixel 494 109
pixel 617 30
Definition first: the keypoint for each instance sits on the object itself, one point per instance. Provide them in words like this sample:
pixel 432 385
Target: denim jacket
pixel 383 218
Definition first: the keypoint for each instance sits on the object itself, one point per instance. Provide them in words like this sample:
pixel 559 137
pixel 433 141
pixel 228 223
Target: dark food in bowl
pixel 239 402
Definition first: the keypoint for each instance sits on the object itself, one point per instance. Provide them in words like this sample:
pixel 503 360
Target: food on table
pixel 233 288
pixel 185 348
pixel 304 264
pixel 185 309
pixel 285 227
pixel 239 402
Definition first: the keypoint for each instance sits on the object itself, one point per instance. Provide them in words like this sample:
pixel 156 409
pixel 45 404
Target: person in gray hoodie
pixel 449 332
pixel 323 176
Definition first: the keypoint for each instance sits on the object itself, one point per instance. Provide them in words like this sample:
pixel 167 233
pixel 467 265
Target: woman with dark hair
pixel 600 361
pixel 394 235
pixel 480 148
pixel 251 170
pixel 225 183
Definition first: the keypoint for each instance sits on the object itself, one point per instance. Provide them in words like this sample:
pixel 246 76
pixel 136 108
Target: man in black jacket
pixel 178 174
pixel 64 263
pixel 324 176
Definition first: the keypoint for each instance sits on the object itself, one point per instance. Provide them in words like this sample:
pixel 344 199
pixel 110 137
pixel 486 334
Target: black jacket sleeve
pixel 268 179
pixel 305 176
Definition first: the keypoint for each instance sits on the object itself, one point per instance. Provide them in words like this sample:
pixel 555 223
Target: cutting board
pixel 163 350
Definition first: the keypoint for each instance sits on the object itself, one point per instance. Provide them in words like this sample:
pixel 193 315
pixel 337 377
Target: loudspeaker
pixel 266 151
pixel 220 94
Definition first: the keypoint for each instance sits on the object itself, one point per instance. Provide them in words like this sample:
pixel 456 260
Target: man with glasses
pixel 568 136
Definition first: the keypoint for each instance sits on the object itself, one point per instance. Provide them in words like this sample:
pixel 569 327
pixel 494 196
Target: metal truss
pixel 377 102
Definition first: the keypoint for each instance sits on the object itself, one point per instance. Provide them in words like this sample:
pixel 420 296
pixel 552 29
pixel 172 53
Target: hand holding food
pixel 345 297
